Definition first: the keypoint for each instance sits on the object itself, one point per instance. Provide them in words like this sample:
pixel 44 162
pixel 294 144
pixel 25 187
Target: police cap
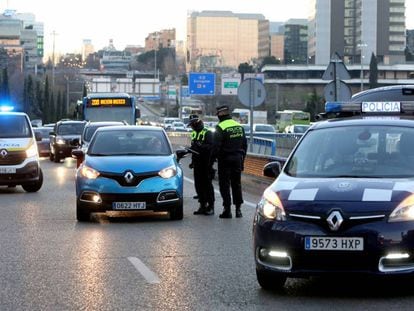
pixel 192 119
pixel 222 110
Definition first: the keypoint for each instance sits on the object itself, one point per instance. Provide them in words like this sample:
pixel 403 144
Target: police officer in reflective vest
pixel 230 147
pixel 201 144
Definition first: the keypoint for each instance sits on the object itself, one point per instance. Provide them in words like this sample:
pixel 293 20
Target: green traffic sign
pixel 231 85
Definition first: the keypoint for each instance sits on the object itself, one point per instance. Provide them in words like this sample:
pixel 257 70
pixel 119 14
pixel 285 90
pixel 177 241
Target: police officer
pixel 230 147
pixel 201 144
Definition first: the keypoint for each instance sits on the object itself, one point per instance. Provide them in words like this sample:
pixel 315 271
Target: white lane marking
pixel 218 192
pixel 150 276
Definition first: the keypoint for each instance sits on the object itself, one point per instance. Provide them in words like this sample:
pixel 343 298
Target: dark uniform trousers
pixel 229 174
pixel 203 182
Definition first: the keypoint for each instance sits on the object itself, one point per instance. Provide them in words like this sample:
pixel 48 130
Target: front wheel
pixel 177 213
pixel 270 280
pixel 34 186
pixel 82 214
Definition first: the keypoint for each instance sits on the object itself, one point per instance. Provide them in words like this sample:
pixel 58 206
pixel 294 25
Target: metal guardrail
pixel 271 144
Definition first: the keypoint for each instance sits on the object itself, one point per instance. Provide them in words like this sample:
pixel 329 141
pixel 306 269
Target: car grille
pixel 13 158
pixel 137 178
pixel 335 261
pixel 346 225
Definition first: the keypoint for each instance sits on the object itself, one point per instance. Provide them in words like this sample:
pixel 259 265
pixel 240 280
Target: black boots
pixel 238 212
pixel 226 213
pixel 201 210
pixel 209 210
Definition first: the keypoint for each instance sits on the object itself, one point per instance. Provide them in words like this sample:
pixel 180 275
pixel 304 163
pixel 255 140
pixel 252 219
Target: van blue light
pixel 6 108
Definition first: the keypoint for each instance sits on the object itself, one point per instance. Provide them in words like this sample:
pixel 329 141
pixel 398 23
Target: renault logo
pixel 129 177
pixel 3 153
pixel 334 220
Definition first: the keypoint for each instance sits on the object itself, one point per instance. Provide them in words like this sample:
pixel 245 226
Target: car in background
pixel 296 128
pixel 179 126
pixel 128 168
pixel 263 128
pixel 65 137
pixel 43 145
pixel 168 122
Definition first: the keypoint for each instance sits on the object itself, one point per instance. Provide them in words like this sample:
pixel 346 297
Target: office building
pixel 160 39
pixel 355 29
pixel 296 41
pixel 223 39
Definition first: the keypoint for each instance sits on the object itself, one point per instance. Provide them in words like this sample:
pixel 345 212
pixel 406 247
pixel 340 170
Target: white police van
pixel 19 157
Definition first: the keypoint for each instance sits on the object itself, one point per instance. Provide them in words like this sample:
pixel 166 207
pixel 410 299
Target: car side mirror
pixel 272 169
pixel 181 153
pixel 38 136
pixel 137 113
pixel 78 154
pixel 52 133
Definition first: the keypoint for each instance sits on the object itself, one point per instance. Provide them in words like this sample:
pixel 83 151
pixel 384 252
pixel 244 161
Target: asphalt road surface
pixel 49 261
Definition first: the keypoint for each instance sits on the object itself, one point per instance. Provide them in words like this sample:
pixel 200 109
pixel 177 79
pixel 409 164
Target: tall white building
pixel 355 29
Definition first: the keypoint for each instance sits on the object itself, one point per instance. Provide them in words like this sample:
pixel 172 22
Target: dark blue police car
pixel 344 200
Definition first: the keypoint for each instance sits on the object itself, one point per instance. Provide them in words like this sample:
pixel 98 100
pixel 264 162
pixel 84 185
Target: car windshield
pixel 355 151
pixel 71 129
pixel 129 142
pixel 14 126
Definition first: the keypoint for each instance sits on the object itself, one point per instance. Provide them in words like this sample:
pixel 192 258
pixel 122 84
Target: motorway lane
pixel 48 261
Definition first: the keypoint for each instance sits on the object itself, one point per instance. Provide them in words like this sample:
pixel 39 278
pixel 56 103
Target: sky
pixel 130 21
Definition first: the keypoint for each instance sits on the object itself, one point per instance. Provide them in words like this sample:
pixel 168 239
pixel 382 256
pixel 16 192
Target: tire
pixel 56 158
pixel 35 186
pixel 82 214
pixel 270 280
pixel 177 213
pixel 51 156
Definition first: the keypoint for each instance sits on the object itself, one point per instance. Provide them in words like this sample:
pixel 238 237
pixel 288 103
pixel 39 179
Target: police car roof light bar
pixel 343 109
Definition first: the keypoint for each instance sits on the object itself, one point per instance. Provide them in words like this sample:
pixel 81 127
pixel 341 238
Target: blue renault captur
pixel 344 200
pixel 129 168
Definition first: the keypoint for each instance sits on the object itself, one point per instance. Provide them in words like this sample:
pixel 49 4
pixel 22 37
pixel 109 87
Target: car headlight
pixel 168 172
pixel 31 151
pixel 60 141
pixel 271 207
pixel 404 211
pixel 88 172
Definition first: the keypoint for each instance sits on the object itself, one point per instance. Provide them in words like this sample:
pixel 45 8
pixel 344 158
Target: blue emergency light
pixel 6 108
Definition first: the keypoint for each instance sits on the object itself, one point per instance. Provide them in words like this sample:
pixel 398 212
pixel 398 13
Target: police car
pixel 19 156
pixel 344 200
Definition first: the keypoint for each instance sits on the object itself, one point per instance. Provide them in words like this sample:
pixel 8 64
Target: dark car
pixel 65 137
pixel 43 145
pixel 343 202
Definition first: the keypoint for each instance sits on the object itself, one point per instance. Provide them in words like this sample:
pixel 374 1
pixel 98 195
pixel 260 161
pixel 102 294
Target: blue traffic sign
pixel 202 83
pixel 185 92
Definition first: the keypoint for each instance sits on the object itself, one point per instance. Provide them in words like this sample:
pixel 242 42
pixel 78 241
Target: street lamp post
pixel 361 46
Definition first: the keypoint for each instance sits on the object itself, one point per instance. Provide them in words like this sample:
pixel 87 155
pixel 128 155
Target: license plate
pixel 128 205
pixel 7 170
pixel 334 243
